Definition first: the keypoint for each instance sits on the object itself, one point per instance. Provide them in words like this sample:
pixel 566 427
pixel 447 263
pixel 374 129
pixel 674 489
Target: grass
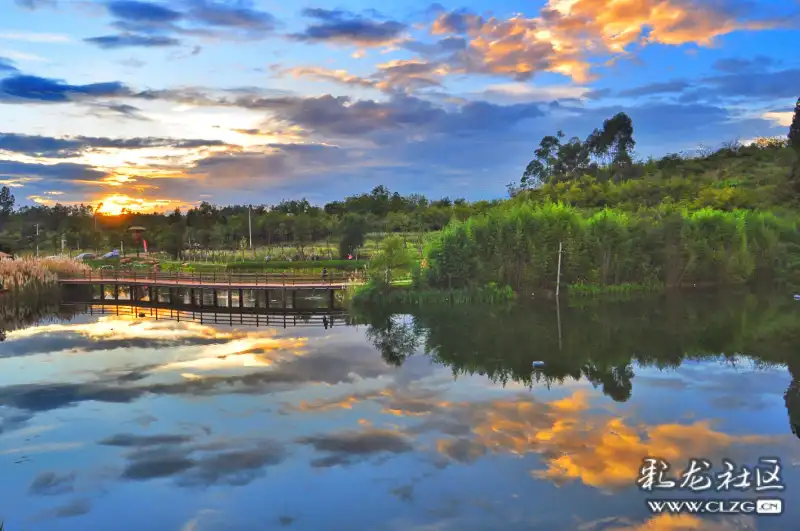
pixel 26 273
pixel 402 293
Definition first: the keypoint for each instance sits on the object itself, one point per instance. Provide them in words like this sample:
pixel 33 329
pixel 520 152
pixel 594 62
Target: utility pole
pixel 37 240
pixel 250 225
pixel 558 277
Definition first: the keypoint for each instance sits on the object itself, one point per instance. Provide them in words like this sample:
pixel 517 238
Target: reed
pixel 32 273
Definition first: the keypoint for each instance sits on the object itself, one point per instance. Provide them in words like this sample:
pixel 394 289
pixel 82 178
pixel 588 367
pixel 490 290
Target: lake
pixel 118 419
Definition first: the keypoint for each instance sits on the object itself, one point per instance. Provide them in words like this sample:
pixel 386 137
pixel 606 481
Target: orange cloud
pixel 578 445
pixel 569 33
pixel 685 522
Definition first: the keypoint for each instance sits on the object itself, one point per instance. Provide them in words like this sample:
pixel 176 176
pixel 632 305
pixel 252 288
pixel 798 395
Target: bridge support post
pixel 102 292
pixel 332 299
pixel 294 299
pixel 241 298
pixel 191 297
pixel 230 298
pixel 150 291
pixel 116 292
pixel 172 296
pixel 215 295
pixel 283 299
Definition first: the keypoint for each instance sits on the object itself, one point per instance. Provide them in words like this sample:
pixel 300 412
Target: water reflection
pixel 244 426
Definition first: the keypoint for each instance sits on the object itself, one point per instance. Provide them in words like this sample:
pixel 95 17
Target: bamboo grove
pixel 671 246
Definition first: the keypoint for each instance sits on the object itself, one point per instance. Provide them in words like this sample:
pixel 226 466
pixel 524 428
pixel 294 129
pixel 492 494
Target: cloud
pixel 656 88
pixel 150 24
pixel 119 110
pixel 69 147
pixel 6 65
pixel 572 37
pixel 30 36
pixel 739 65
pixel 343 27
pixel 110 42
pixel 127 439
pixel 223 15
pixel 228 462
pixel 52 484
pixel 674 522
pixel 26 88
pixel 769 85
pixel 573 439
pixel 348 447
pixel 142 12
pixel 74 508
pixel 33 5
pixel 63 171
pixel 407 75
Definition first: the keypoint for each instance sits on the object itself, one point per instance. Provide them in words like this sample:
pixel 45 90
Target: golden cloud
pixel 578 444
pixel 224 349
pixel 685 522
pixel 568 33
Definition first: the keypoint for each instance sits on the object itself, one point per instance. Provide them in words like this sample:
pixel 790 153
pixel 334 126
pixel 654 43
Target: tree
pixel 540 169
pixel 794 130
pixel 794 143
pixel 6 202
pixel 393 254
pixel 353 230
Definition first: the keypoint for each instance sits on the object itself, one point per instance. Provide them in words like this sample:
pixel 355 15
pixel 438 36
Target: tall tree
pixel 794 143
pixel 540 169
pixel 794 129
pixel 6 202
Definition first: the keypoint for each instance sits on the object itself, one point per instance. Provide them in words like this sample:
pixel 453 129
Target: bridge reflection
pixel 222 316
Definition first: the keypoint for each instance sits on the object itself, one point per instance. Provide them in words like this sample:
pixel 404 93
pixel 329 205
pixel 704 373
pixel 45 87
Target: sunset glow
pixel 256 105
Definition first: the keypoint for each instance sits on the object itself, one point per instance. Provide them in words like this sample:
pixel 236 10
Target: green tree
pixel 353 230
pixel 393 254
pixel 794 130
pixel 794 143
pixel 6 202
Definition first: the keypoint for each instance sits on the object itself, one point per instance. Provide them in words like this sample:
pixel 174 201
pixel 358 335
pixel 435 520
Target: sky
pixel 161 105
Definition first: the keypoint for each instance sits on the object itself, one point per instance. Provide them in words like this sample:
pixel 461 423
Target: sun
pixel 113 205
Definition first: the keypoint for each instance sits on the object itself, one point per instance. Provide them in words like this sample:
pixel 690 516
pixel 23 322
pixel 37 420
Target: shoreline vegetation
pixel 31 291
pixel 585 219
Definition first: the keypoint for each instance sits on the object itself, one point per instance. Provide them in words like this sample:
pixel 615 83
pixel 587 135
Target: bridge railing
pixel 272 278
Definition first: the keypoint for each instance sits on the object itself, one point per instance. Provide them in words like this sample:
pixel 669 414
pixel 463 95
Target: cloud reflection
pixel 575 441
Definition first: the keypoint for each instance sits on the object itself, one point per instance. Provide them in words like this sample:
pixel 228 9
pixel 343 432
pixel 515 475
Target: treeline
pixel 518 245
pixel 293 224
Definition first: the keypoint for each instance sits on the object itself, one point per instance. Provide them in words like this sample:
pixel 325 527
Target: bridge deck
pixel 189 283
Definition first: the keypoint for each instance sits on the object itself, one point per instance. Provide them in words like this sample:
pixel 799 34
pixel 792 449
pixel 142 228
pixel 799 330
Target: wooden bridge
pixel 285 291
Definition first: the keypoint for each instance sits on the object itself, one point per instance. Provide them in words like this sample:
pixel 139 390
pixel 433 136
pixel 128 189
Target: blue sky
pixel 153 105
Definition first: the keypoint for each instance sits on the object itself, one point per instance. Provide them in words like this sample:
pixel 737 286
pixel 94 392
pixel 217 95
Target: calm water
pixel 428 422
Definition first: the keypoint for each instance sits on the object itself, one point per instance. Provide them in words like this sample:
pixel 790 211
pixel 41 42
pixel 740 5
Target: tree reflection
pixel 603 343
pixel 394 337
